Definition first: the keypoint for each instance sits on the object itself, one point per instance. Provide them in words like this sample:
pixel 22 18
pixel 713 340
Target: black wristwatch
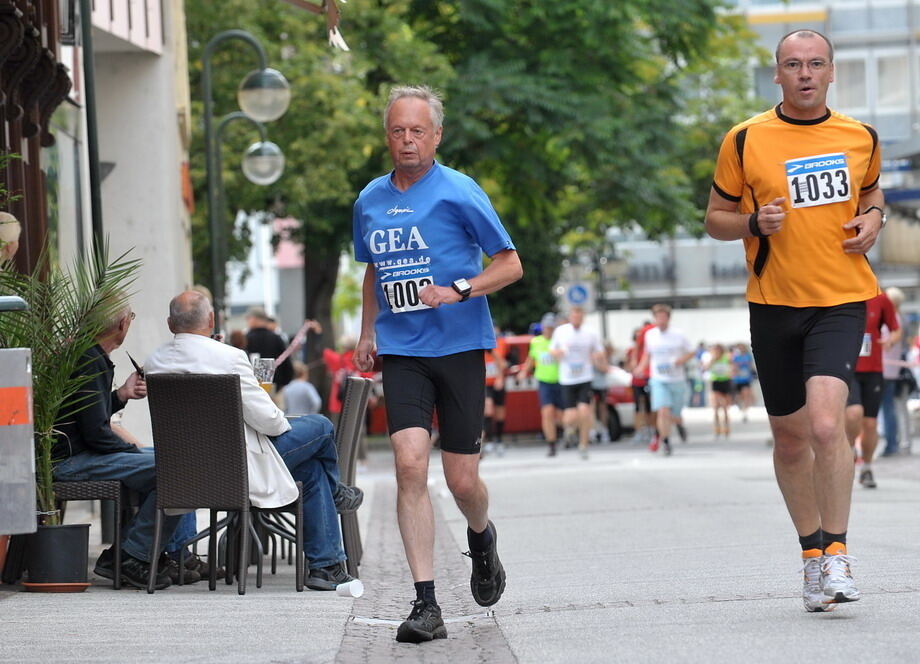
pixel 463 288
pixel 876 207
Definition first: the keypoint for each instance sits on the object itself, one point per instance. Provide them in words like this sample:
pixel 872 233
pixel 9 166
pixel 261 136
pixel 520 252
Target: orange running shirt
pixel 821 167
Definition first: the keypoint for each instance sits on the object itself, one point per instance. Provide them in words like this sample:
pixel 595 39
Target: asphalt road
pixel 627 556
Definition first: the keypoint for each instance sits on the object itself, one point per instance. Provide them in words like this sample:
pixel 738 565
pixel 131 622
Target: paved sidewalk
pixel 626 557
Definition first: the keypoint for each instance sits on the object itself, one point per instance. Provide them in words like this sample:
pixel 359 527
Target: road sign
pixel 577 294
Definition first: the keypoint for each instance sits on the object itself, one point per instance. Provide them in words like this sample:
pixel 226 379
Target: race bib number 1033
pixel 818 180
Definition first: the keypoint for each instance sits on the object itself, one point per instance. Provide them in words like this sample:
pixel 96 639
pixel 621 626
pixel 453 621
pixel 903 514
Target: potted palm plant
pixel 68 309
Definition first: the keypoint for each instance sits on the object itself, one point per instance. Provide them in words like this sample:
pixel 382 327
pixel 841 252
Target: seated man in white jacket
pixel 304 445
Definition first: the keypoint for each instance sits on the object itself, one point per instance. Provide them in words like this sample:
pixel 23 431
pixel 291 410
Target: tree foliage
pixel 574 113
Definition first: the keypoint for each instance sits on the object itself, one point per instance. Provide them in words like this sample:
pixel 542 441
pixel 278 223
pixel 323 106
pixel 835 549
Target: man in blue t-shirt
pixel 422 230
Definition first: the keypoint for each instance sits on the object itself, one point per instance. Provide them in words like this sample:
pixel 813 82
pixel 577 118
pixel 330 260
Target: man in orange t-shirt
pixel 799 184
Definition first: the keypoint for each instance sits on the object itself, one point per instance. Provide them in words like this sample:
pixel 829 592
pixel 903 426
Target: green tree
pixel 331 135
pixel 575 111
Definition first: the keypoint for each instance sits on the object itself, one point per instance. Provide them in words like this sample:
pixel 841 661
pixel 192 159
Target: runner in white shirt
pixel 578 351
pixel 666 351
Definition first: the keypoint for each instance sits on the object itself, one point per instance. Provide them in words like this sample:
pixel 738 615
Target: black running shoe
pixel 327 578
pixel 487 581
pixel 347 498
pixel 171 567
pixel 682 432
pixel 135 572
pixel 105 564
pixel 423 624
pixel 196 563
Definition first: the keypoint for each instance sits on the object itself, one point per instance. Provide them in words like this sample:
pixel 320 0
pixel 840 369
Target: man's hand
pixel 364 354
pixel 435 296
pixel 867 228
pixel 770 216
pixel 134 388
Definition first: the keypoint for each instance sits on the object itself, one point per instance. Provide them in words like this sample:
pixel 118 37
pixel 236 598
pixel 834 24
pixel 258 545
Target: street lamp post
pixel 263 96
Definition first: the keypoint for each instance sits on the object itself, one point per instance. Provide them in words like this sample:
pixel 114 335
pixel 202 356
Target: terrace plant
pixel 68 309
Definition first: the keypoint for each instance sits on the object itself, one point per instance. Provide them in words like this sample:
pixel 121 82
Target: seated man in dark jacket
pixel 88 449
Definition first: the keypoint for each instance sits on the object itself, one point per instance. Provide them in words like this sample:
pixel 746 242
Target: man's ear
pixel 169 324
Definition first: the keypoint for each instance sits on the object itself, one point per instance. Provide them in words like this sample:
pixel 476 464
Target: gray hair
pixel 109 320
pixel 423 92
pixel 190 312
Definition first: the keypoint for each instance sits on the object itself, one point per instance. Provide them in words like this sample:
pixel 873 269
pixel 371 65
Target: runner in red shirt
pixel 645 419
pixel 866 385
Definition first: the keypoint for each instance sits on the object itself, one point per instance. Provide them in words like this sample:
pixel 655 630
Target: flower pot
pixel 59 554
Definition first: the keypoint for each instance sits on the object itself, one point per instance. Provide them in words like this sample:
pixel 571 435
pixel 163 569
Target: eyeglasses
pixel 794 66
pixel 417 132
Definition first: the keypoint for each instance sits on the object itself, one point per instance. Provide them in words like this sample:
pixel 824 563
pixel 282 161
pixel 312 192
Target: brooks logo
pixel 398 210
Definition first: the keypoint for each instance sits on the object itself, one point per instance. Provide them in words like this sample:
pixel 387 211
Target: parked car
pixel 522 406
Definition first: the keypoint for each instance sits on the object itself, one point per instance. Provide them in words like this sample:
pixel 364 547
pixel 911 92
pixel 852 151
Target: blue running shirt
pixel 433 233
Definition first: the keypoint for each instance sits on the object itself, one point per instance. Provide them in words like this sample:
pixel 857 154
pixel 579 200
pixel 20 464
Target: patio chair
pixel 201 463
pixel 347 436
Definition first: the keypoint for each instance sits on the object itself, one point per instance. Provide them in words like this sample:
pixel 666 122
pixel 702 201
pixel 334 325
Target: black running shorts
pixel 866 391
pixel 642 399
pixel 572 395
pixel 497 396
pixel 792 344
pixel 454 384
pixel 722 386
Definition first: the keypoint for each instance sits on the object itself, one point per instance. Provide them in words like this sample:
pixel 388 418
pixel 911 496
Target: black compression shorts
pixel 792 344
pixel 454 384
pixel 866 391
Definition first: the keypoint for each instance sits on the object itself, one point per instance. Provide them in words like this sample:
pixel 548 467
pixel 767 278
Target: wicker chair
pixel 201 461
pixel 98 490
pixel 347 436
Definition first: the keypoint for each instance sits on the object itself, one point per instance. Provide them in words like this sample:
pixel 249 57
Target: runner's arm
pixel 643 364
pixel 504 269
pixel 724 222
pixel 867 225
pixel 682 360
pixel 363 356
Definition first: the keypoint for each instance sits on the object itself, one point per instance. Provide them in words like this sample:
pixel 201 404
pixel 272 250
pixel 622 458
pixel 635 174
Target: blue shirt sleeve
pixel 362 255
pixel 482 222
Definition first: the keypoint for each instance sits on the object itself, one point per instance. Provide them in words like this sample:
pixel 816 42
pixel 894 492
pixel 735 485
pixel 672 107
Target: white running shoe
pixel 838 583
pixel 812 589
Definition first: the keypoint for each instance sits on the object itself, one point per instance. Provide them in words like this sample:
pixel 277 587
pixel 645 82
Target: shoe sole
pixel 840 598
pixel 409 634
pixel 108 574
pixel 104 573
pixel 142 585
pixel 500 575
pixel 322 585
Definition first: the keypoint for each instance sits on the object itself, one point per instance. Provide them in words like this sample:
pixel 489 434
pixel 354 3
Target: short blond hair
pixel 896 295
